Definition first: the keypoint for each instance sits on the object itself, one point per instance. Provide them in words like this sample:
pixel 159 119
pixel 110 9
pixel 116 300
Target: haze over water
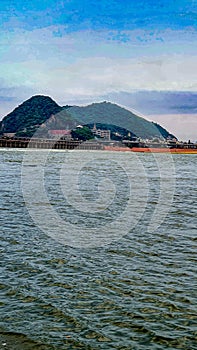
pixel 136 292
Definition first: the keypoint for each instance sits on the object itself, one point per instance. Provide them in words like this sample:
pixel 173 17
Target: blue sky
pixel 83 51
pixel 96 15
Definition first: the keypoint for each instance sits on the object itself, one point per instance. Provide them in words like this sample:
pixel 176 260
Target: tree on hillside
pixel 83 134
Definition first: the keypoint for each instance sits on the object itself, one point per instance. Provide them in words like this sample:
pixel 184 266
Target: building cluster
pixel 67 134
pixel 104 134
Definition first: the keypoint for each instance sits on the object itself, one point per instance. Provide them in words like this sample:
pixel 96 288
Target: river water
pixel 121 274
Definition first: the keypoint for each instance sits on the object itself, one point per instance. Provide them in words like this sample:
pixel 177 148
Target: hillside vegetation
pixel 164 132
pixel 40 110
pixel 109 113
pixel 26 118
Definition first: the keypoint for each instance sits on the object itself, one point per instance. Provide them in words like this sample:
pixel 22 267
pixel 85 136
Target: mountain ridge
pixel 27 118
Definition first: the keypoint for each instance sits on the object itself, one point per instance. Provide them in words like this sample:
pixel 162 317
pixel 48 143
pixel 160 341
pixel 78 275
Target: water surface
pixel 138 292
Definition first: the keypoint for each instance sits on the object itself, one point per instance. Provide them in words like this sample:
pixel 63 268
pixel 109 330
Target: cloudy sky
pixel 141 54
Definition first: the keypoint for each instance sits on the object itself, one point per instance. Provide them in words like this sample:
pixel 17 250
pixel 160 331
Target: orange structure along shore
pixel 152 150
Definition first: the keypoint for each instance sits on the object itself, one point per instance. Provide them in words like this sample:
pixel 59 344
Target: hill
pixel 27 117
pixel 109 113
pixel 42 110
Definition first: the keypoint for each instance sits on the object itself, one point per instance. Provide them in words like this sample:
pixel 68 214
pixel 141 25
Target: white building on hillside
pixel 105 134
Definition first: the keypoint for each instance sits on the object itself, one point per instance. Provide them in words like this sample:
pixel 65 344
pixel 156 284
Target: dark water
pixel 136 292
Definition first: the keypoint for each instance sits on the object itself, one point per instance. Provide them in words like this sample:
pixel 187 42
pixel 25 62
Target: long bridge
pixel 38 143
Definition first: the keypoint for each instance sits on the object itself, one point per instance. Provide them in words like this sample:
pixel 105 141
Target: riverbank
pixel 36 143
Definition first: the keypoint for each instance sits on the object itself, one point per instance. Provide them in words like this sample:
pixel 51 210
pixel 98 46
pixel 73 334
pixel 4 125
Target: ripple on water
pixel 138 293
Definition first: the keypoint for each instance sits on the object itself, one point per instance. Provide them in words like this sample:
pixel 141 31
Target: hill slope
pixel 38 110
pixel 109 113
pixel 26 118
pixel 164 132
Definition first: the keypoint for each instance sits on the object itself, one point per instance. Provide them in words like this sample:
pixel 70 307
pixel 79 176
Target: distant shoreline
pixel 60 145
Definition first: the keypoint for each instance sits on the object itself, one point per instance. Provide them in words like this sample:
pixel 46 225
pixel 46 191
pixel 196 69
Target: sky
pixel 139 54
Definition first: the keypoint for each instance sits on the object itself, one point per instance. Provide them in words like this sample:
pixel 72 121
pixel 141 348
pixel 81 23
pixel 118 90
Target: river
pixel 97 250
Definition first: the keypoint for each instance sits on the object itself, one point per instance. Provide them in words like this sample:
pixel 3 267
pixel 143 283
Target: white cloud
pixel 82 66
pixel 93 63
pixel 97 76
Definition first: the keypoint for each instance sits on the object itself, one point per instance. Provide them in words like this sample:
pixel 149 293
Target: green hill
pixel 26 118
pixel 109 113
pixel 39 110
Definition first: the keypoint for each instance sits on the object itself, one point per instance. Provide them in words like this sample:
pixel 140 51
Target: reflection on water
pixel 136 293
